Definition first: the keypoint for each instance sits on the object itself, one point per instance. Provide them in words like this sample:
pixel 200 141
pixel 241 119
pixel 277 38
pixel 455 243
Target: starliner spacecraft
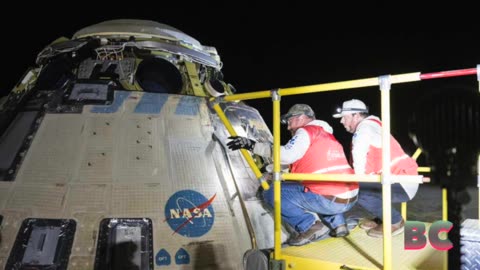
pixel 112 157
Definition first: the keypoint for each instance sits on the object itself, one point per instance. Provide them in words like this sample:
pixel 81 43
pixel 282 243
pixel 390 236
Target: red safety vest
pixel 401 163
pixel 325 155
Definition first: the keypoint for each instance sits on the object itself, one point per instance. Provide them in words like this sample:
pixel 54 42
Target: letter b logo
pixel 415 235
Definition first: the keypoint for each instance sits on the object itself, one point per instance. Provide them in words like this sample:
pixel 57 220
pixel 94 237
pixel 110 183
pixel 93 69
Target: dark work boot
pixel 314 233
pixel 340 231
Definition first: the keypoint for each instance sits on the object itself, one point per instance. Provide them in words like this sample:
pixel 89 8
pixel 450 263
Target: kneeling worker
pixel 312 149
pixel 367 159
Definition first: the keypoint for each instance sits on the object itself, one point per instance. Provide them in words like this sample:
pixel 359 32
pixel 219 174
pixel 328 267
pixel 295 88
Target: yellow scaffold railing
pixel 384 82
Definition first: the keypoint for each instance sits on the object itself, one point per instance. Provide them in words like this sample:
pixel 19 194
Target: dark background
pixel 265 46
pixel 292 44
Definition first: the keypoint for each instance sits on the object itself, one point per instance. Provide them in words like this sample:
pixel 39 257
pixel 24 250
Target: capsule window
pixel 124 243
pixel 158 75
pixel 42 244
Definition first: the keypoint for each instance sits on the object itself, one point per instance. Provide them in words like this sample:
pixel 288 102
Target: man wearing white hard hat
pixel 366 156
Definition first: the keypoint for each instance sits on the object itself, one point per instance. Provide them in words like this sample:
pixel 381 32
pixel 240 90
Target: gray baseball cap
pixel 297 109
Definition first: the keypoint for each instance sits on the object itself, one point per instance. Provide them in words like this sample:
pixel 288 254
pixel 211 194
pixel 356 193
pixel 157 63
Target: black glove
pixel 238 142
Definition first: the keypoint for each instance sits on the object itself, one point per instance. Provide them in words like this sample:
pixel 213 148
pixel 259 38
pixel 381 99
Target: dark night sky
pixel 270 45
pixel 281 46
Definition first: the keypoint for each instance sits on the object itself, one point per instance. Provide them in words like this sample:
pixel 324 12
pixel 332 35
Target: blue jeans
pixel 298 203
pixel 370 198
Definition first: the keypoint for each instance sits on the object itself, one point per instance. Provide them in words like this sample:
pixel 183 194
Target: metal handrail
pixel 384 82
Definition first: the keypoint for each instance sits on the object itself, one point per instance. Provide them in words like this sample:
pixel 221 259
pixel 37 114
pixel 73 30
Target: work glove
pixel 238 142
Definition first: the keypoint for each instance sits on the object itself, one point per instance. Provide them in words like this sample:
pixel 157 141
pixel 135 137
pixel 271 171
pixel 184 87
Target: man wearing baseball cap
pixel 366 155
pixel 312 149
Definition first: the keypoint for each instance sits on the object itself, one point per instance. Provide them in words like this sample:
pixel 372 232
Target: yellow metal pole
pixel 412 179
pixel 400 78
pixel 417 153
pixel 332 177
pixel 445 218
pixel 424 169
pixel 244 152
pixel 276 177
pixel 384 82
pixel 444 204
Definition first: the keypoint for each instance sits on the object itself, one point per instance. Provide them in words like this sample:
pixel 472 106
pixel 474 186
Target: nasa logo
pixel 189 213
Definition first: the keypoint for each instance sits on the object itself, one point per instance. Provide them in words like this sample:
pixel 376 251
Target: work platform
pixel 359 251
